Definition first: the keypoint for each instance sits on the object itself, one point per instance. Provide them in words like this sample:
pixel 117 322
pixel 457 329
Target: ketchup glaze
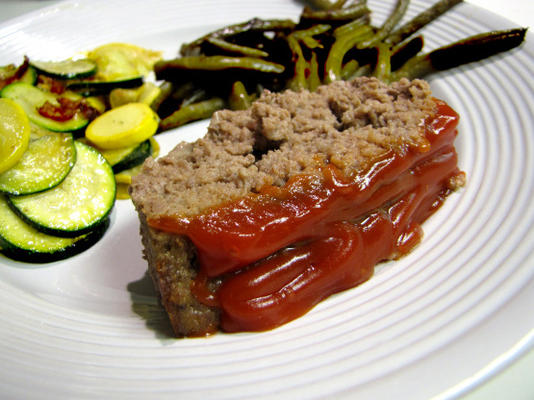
pixel 284 249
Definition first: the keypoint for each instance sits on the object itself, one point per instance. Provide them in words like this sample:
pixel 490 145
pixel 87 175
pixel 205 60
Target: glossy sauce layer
pixel 283 250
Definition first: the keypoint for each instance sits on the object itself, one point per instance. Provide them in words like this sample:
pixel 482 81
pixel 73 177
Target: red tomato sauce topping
pixel 283 250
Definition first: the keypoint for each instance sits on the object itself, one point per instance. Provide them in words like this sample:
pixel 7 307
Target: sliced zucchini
pixel 29 77
pixel 78 204
pixel 37 131
pixel 97 88
pixel 7 71
pixel 97 102
pixel 124 178
pixel 22 242
pixel 128 157
pixel 8 75
pixel 31 98
pixel 66 69
pixel 46 162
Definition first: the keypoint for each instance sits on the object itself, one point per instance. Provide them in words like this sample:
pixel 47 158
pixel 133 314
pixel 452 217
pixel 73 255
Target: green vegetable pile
pixel 331 41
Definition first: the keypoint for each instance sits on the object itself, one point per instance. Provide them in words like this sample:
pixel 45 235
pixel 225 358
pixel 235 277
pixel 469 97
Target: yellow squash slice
pixel 123 126
pixel 14 133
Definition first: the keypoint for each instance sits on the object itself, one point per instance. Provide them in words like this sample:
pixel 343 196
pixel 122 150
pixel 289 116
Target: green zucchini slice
pixel 22 242
pixel 29 77
pixel 78 204
pixel 124 177
pixel 7 72
pixel 31 98
pixel 97 88
pixel 128 157
pixel 66 69
pixel 37 132
pixel 44 164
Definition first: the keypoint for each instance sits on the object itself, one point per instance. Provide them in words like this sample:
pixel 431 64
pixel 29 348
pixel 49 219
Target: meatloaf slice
pixel 349 125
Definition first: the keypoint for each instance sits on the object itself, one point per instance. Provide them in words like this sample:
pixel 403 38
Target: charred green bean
pixel 236 48
pixel 473 48
pixel 192 112
pixel 388 25
pixel 334 62
pixel 239 98
pixel 327 4
pixel 215 63
pixel 409 49
pixel 382 69
pixel 255 24
pixel 302 68
pixel 419 21
pixel 166 89
pixel 335 14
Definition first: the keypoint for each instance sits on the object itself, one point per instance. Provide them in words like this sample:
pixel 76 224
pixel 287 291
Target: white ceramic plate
pixel 439 321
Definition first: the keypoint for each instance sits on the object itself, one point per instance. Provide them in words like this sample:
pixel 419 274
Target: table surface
pixel 513 382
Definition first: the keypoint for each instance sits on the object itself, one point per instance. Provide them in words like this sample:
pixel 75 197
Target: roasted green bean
pixel 335 14
pixel 239 98
pixel 334 62
pixel 302 67
pixel 420 21
pixel 255 24
pixel 382 69
pixel 191 112
pixel 236 48
pixel 216 63
pixel 409 49
pixel 166 89
pixel 473 48
pixel 327 4
pixel 388 25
